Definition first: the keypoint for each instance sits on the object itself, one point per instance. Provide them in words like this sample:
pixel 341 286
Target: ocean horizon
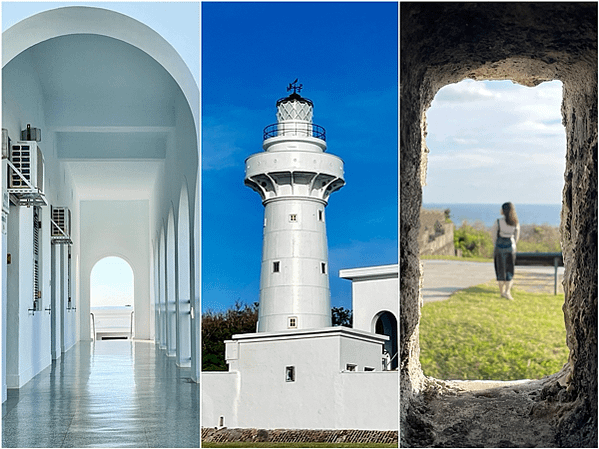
pixel 528 214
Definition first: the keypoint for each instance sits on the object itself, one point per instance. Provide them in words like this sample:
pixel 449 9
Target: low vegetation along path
pixel 444 277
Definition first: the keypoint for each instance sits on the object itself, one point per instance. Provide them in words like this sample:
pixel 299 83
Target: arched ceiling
pixel 111 108
pixel 91 80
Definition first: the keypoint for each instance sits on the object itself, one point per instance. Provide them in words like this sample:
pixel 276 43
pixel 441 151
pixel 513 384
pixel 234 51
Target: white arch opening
pixel 112 299
pixel 385 323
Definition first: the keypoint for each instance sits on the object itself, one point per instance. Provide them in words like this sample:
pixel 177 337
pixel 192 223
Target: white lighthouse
pixel 297 371
pixel 294 176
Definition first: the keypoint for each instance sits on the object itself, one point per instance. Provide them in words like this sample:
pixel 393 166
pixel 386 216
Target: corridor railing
pixel 112 323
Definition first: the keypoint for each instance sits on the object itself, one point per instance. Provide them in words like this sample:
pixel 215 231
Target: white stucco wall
pixel 368 400
pixel 374 290
pixel 28 336
pixel 3 284
pixel 4 295
pixel 322 396
pixel 220 391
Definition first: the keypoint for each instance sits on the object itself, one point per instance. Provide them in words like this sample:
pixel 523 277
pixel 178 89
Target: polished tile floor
pixel 105 394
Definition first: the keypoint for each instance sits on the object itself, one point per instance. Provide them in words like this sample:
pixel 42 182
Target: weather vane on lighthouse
pixel 297 88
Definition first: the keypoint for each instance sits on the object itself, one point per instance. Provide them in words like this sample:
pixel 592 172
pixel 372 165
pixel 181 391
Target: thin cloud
pixel 465 92
pixel 458 160
pixel 516 141
pixel 465 141
pixel 538 127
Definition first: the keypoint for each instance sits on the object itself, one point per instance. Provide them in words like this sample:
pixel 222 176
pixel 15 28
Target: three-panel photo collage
pixel 299 224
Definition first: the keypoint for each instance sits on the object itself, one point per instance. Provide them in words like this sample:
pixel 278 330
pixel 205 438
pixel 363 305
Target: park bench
pixel 112 322
pixel 542 259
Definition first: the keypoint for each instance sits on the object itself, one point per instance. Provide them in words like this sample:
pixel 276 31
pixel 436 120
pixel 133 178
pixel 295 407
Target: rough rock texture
pixel 226 435
pixel 528 43
pixel 487 414
pixel 435 236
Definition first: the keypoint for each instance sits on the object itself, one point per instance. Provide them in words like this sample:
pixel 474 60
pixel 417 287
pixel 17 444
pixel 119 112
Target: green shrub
pixel 476 240
pixel 473 242
pixel 220 326
pixel 539 238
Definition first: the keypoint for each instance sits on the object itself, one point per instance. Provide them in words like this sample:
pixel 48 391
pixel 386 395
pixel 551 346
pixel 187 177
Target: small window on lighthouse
pixel 276 267
pixel 323 267
pixel 320 215
pixel 292 217
pixel 290 374
pixel 292 324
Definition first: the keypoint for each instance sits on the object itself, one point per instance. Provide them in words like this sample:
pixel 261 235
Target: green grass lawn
pixel 476 335
pixel 267 444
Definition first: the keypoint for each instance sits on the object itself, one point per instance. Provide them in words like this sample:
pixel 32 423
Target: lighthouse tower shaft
pixel 294 177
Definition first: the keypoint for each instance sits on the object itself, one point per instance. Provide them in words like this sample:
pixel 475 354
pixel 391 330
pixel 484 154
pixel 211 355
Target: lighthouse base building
pixel 328 378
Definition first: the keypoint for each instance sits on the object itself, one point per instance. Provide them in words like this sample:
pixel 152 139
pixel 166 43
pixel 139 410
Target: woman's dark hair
pixel 509 212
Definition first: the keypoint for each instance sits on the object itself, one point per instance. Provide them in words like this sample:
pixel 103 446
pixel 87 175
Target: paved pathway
pixel 444 277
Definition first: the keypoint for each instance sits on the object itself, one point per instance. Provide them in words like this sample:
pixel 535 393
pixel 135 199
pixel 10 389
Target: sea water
pixel 487 213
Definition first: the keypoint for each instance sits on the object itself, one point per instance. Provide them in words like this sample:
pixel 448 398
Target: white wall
pixel 223 402
pixel 116 228
pixel 368 400
pixel 56 314
pixel 3 272
pixel 322 396
pixel 374 289
pixel 28 335
pixel 69 320
pixel 364 401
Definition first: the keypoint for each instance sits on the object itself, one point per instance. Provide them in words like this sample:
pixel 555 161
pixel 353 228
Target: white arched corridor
pixel 118 111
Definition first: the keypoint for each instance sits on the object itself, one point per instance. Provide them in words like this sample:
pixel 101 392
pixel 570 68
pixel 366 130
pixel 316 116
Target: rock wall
pixel 528 43
pixel 435 237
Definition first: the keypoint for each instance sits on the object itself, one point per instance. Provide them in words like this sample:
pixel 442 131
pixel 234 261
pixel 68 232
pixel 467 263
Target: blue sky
pixel 496 141
pixel 345 55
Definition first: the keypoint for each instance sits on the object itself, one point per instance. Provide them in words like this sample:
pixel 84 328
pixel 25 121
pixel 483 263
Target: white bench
pixel 112 322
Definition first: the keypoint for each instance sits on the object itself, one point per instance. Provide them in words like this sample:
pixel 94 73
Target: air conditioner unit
pixel 28 159
pixel 61 222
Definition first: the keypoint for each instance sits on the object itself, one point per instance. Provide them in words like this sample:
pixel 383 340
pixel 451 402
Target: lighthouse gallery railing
pixel 295 129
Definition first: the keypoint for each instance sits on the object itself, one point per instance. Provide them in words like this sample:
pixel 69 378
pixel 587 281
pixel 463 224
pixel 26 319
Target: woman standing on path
pixel 505 233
